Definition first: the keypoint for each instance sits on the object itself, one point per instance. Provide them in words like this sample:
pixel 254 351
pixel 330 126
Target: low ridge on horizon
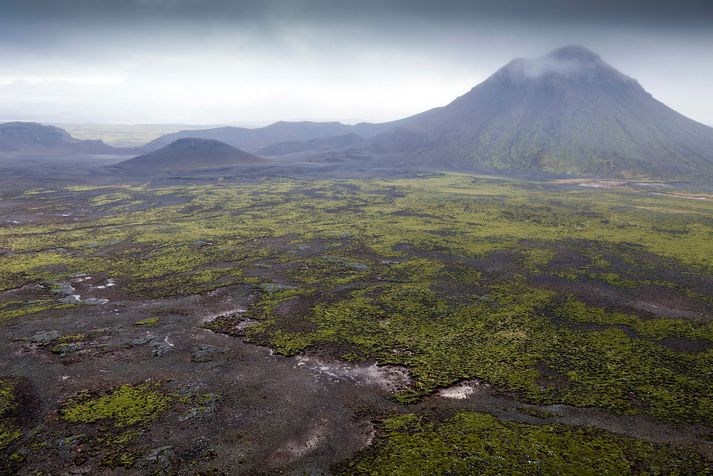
pixel 33 137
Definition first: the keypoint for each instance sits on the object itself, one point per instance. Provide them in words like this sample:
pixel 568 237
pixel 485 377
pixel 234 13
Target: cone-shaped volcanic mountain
pixel 191 153
pixel 567 112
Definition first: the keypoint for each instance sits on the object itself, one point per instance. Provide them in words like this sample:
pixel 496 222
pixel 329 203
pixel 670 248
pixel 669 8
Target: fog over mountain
pixel 565 112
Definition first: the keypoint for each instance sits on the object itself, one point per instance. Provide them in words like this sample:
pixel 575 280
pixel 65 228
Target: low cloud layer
pixel 248 62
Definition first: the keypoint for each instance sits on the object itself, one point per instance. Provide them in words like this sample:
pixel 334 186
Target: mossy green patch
pixel 147 322
pixel 9 405
pixel 125 406
pixel 13 309
pixel 476 443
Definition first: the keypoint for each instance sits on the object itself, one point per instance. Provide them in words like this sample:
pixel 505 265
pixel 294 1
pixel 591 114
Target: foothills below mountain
pixel 190 153
pixel 566 113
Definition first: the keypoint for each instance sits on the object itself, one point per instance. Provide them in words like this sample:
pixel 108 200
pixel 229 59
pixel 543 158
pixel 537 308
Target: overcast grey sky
pixel 252 62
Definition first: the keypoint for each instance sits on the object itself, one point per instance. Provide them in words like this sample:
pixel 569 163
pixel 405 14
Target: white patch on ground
pixel 460 391
pixel 388 377
pixel 652 184
pixel 229 313
pixel 602 184
pixel 107 284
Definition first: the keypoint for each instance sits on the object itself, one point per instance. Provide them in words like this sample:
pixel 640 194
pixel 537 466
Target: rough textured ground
pixel 449 325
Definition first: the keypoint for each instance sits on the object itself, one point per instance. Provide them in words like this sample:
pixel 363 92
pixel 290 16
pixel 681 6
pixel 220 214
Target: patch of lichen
pixel 147 322
pixel 115 448
pixel 123 459
pixel 9 406
pixel 477 443
pixel 114 421
pixel 13 309
pixel 659 328
pixel 127 405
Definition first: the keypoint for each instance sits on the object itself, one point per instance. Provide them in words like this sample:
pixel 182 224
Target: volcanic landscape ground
pixel 444 324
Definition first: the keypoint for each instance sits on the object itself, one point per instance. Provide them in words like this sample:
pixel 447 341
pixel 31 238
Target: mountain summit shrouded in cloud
pixel 249 62
pixel 566 112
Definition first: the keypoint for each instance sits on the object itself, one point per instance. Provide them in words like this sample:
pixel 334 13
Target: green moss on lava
pixel 147 322
pixel 124 406
pixel 9 406
pixel 477 443
pixel 453 276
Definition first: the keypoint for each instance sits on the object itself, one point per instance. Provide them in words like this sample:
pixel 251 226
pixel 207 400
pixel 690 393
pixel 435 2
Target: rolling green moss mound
pixel 126 406
pixel 476 443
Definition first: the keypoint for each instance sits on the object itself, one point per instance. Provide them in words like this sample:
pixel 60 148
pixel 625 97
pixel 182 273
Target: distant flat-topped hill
pixel 190 153
pixel 30 137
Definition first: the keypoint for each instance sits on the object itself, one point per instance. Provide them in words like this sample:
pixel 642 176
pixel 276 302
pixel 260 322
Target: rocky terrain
pixel 449 323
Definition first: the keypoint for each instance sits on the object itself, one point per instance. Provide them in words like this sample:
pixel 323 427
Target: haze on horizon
pixel 252 62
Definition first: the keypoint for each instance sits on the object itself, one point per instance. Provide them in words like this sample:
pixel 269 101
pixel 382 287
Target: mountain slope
pixel 567 112
pixel 30 137
pixel 331 143
pixel 190 153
